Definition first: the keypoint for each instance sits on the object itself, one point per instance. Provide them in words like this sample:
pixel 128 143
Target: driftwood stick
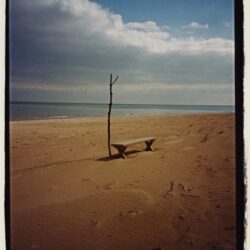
pixel 111 83
pixel 185 233
pixel 115 80
pixel 109 113
pixel 170 190
pixel 191 195
pixel 171 186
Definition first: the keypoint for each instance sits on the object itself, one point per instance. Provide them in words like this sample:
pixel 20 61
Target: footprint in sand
pixel 135 212
pixel 188 148
pixel 131 185
pixel 199 166
pixel 211 171
pixel 94 222
pixel 53 188
pixel 201 157
pixel 108 185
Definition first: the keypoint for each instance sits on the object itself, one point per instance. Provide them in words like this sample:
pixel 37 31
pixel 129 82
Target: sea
pixel 19 111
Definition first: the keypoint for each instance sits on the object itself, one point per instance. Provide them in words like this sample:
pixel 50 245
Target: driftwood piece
pixel 111 83
pixel 170 190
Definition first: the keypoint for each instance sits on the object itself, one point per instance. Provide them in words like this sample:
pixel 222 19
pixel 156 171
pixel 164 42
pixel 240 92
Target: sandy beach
pixel 67 194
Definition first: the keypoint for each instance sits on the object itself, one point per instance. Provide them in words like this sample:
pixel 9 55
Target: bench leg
pixel 149 145
pixel 121 151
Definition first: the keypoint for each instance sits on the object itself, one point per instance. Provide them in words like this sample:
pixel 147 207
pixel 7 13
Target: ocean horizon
pixel 57 110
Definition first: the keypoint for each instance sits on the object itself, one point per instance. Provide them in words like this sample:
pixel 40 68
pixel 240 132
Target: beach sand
pixel 66 193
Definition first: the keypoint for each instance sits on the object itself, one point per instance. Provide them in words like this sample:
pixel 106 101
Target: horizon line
pixel 56 102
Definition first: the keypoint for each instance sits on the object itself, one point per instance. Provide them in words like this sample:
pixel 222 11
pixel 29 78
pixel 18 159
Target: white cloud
pixel 165 27
pixel 148 26
pixel 67 48
pixel 147 36
pixel 195 25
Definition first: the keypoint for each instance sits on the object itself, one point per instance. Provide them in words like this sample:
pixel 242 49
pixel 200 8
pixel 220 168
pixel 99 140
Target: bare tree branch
pixel 115 80
pixel 111 83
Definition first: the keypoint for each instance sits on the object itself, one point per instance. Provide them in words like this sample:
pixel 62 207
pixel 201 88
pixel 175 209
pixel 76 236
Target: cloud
pixel 220 94
pixel 75 44
pixel 148 26
pixel 195 25
pixel 147 36
pixel 165 27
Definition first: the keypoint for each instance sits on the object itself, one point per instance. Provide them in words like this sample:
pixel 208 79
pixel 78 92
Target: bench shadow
pixel 117 156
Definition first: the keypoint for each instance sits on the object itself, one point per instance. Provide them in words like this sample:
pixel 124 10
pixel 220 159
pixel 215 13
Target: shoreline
pixel 118 116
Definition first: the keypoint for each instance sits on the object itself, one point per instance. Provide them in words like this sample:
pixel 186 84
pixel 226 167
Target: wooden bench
pixel 122 146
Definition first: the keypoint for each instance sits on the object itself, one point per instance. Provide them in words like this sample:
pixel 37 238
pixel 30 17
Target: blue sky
pixel 177 13
pixel 166 52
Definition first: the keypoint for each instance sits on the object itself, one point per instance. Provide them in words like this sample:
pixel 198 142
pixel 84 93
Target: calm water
pixel 38 110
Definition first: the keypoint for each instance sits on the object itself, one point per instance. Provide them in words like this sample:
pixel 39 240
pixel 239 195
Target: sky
pixel 165 52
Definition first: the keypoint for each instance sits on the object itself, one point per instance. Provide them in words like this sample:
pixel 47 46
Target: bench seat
pixel 122 146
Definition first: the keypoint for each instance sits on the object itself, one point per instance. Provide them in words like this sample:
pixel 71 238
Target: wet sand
pixel 67 194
